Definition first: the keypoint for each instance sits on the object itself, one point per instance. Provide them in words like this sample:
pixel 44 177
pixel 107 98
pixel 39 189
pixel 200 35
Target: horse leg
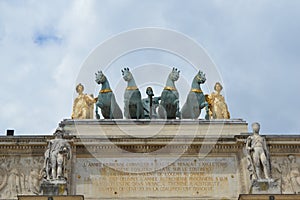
pixel 111 111
pixel 96 111
pixel 126 109
pixel 141 110
pixel 138 111
pixel 161 112
pixel 207 112
pixel 178 114
pixel 205 104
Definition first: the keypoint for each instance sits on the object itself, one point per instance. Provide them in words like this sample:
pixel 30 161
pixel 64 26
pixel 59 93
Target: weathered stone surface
pixel 161 177
pixel 35 197
pixel 99 158
pixel 265 186
pixel 155 127
pixel 268 197
pixel 54 188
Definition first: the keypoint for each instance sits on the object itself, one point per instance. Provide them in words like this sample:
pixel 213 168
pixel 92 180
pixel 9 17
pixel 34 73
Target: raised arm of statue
pixel 90 99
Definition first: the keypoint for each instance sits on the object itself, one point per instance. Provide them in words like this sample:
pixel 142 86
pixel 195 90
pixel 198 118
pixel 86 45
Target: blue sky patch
pixel 46 38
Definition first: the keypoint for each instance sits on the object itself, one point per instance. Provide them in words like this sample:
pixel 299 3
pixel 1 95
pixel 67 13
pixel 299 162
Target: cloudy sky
pixel 255 45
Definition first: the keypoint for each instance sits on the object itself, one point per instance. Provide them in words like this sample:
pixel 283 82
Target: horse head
pixel 200 77
pixel 127 76
pixel 100 77
pixel 174 75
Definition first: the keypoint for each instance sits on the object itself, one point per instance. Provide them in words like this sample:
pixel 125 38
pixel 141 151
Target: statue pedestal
pixel 265 186
pixel 40 197
pixel 57 187
pixel 268 197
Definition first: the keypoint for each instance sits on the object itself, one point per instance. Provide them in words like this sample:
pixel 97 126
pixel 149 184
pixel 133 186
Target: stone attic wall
pixel 224 169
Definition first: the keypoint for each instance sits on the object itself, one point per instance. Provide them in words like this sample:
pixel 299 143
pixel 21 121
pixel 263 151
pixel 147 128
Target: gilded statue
pixel 217 107
pixel 83 105
pixel 258 155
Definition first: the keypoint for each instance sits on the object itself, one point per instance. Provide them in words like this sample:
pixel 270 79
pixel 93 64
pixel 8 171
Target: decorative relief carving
pixel 19 175
pixel 3 174
pixel 287 169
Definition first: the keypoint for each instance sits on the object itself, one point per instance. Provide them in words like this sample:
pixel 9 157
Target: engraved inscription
pixel 185 177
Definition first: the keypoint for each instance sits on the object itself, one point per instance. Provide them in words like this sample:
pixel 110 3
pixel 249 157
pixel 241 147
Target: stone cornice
pixel 37 144
pixel 147 122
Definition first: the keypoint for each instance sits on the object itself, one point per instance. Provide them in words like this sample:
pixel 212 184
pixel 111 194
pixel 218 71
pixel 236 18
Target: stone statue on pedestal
pixel 55 164
pixel 217 107
pixel 259 165
pixel 83 105
pixel 258 155
pixel 55 157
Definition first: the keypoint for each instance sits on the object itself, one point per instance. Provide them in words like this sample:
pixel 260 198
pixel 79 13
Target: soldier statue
pixel 55 157
pixel 258 155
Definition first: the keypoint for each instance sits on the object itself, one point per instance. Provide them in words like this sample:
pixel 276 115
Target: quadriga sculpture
pixel 169 104
pixel 195 100
pixel 106 99
pixel 133 107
